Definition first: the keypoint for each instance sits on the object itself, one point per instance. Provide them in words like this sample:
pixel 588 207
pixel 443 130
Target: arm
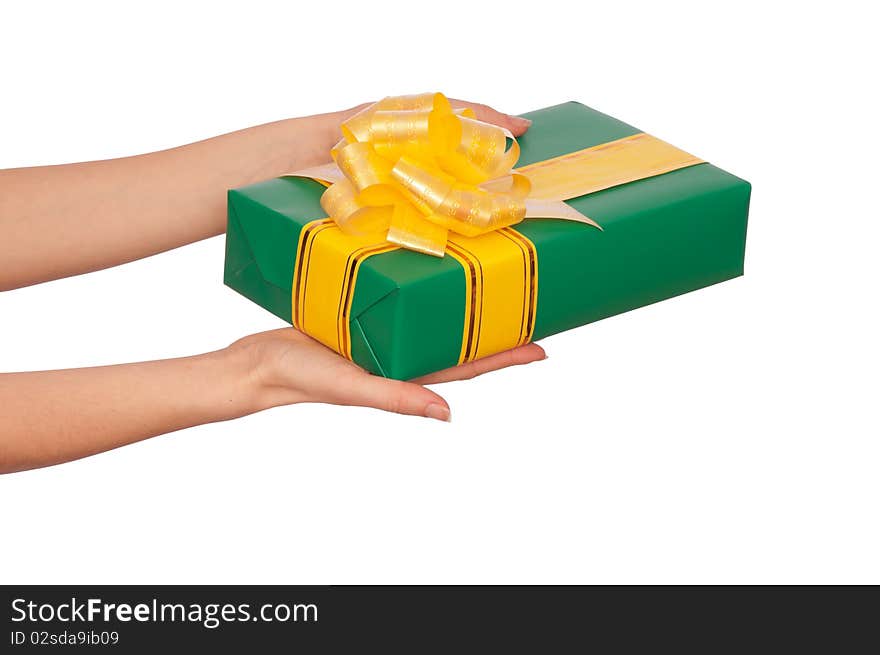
pixel 104 213
pixel 64 220
pixel 57 221
pixel 51 417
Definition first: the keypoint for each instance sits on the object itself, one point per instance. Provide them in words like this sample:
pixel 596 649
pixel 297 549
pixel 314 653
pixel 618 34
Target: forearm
pixel 50 417
pixel 57 221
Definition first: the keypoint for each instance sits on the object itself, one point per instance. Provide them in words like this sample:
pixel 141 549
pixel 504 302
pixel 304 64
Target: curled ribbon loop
pixel 411 169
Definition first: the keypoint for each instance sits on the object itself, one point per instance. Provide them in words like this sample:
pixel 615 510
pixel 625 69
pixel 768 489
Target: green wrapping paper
pixel 662 236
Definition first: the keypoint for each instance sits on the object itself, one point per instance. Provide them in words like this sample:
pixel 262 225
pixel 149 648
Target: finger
pixel 515 357
pixel 345 114
pixel 365 390
pixel 516 124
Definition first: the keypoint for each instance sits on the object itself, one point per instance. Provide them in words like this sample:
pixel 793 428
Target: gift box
pixel 401 313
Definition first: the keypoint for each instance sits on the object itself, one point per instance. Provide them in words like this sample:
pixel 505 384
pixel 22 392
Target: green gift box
pixel 408 313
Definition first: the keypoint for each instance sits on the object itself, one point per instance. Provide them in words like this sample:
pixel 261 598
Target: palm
pixel 302 370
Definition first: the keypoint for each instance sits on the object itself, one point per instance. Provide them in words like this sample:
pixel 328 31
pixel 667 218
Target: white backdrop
pixel 727 436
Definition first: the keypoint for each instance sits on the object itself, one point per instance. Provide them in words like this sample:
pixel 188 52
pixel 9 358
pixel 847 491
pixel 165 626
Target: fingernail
pixel 522 121
pixel 438 412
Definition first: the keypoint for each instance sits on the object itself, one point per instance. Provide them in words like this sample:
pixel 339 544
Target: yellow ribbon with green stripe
pixel 410 172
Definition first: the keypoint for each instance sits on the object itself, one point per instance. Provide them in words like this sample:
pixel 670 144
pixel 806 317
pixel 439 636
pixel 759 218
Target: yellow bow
pixel 413 169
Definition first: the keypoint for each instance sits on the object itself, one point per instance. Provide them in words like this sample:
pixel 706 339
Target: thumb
pixel 394 396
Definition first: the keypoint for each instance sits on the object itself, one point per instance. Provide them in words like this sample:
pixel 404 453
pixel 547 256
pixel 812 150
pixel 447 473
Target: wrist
pixel 231 375
pixel 257 367
pixel 307 141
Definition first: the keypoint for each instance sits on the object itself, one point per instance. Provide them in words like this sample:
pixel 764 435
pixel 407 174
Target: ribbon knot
pixel 411 169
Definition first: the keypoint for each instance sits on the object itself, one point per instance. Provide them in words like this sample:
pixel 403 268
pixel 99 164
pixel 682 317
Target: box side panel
pixel 271 215
pixel 361 349
pixel 417 329
pixel 242 273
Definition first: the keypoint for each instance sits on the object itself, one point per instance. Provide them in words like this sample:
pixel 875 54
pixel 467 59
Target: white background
pixel 726 436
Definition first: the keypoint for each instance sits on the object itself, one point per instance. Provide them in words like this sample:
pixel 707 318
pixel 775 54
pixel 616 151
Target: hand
pixel 289 367
pixel 517 125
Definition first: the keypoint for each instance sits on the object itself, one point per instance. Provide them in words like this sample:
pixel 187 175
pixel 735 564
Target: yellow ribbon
pixel 410 169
